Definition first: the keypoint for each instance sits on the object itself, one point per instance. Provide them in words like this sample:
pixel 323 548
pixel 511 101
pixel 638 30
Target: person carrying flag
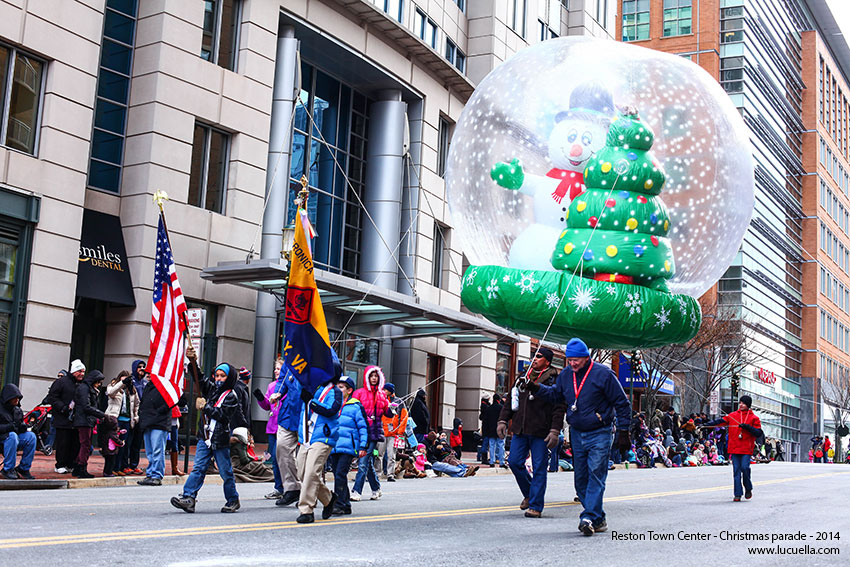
pixel 220 407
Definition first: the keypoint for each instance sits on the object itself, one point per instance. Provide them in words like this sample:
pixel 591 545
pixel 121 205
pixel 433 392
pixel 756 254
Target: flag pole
pixel 158 198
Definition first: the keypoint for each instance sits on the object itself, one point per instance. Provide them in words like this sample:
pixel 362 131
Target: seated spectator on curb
pixel 246 469
pixel 443 460
pixel 14 435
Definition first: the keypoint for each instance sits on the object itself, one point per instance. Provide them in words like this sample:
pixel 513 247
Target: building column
pixel 274 217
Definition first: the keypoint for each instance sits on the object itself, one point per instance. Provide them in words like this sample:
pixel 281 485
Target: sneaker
pixel 355 497
pixel 128 471
pixel 273 495
pixel 524 504
pixel 601 526
pixel 376 494
pixel 586 527
pixel 305 519
pixel 61 470
pixel 492 465
pixel 148 481
pixel 230 507
pixel 390 479
pixel 533 513
pixel 9 474
pixel 736 499
pixel 328 510
pixel 748 494
pixel 119 473
pixel 24 474
pixel 185 503
pixel 137 471
pixel 342 511
pixel 288 497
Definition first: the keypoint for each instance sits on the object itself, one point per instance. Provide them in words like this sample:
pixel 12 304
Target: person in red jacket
pixel 744 428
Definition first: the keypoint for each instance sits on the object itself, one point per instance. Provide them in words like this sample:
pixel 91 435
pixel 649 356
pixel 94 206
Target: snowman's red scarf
pixel 572 181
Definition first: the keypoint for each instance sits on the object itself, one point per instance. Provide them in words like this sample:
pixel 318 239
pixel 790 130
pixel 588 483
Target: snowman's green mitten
pixel 508 175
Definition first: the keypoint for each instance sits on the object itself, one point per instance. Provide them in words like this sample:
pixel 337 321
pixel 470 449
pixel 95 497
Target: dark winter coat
pixel 59 396
pixel 11 417
pixel 244 396
pixel 535 416
pixel 154 412
pixel 490 420
pixel 419 414
pixel 601 397
pixel 671 422
pixel 227 412
pixel 86 413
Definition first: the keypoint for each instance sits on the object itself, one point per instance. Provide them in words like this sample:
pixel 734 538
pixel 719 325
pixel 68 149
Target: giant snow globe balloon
pixel 598 189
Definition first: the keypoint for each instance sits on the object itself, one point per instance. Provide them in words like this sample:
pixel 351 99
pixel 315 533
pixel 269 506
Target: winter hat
pixel 390 387
pixel 746 400
pixel 77 365
pixel 546 353
pixel 348 381
pixel 223 366
pixel 244 374
pixel 576 349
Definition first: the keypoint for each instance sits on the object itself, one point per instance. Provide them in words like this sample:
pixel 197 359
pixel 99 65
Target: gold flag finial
pixel 159 197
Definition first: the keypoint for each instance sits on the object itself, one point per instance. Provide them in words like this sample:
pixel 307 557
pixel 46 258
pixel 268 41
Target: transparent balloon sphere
pixel 542 104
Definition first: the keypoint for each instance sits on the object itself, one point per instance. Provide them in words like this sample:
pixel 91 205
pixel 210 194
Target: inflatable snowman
pixel 578 134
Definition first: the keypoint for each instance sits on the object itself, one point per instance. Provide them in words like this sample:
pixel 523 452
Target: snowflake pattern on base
pixel 469 278
pixel 552 300
pixel 526 283
pixel 662 318
pixel 583 299
pixel 492 289
pixel 633 303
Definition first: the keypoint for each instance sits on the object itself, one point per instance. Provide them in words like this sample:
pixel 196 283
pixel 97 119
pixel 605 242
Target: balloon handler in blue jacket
pixel 593 395
pixel 318 433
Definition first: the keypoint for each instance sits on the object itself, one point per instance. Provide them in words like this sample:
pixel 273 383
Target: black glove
pixel 624 442
pixel 259 395
pixel 21 427
pixel 128 382
pixel 750 429
pixel 552 439
pixel 306 396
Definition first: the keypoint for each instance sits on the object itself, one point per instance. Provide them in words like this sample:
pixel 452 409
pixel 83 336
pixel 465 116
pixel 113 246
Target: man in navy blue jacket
pixel 593 396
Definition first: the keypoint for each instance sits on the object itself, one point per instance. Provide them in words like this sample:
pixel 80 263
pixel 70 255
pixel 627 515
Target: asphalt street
pixel 655 516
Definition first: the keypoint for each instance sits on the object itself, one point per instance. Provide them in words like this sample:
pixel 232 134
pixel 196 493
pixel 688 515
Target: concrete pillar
pixel 280 148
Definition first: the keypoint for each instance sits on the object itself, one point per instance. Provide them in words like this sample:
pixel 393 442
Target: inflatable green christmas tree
pixel 617 229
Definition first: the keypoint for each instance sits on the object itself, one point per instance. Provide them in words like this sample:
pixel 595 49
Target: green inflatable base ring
pixel 604 315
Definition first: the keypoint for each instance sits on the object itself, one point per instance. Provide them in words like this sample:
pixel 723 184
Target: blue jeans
pixel 532 487
pixel 14 441
pixel 366 469
pixel 497 450
pixel 155 452
pixel 741 472
pixel 278 480
pixel 203 455
pixel 451 470
pixel 590 459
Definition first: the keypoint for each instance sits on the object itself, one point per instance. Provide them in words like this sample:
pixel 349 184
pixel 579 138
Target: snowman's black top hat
pixel 589 97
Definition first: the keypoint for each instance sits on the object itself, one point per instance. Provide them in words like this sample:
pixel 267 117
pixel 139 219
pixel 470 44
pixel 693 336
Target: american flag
pixel 167 323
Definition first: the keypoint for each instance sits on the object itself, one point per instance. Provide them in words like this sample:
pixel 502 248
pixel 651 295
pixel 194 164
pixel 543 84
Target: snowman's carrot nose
pixel 576 150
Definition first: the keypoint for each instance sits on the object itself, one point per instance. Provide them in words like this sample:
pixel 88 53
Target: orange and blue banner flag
pixel 307 349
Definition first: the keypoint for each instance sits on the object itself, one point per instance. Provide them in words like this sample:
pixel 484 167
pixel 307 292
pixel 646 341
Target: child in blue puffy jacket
pixel 351 443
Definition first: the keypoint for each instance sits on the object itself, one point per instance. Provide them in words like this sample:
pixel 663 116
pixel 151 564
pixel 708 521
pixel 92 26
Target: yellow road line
pixel 265 526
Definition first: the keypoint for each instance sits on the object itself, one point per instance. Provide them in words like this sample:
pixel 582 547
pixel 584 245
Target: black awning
pixel 102 271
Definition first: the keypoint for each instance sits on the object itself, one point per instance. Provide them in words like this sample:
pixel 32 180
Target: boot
pixel 175 469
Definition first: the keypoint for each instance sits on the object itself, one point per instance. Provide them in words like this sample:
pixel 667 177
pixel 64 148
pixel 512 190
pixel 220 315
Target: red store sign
pixel 766 376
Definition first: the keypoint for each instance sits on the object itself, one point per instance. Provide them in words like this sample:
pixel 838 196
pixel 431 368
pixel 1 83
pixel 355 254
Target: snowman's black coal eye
pixel 571 136
pixel 586 138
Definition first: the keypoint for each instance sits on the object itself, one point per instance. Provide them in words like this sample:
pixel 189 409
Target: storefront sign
pixel 196 320
pixel 766 376
pixel 102 270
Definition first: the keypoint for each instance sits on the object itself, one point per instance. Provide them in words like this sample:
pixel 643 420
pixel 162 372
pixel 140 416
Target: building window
pixel 445 138
pixel 545 31
pixel 517 17
pixel 732 25
pixel 635 20
pixel 504 367
pixel 330 149
pixel 208 177
pixel 677 17
pixel 425 28
pixel 394 8
pixel 113 96
pixel 455 56
pixel 220 40
pixel 438 257
pixel 21 94
pixel 732 74
pixel 461 4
